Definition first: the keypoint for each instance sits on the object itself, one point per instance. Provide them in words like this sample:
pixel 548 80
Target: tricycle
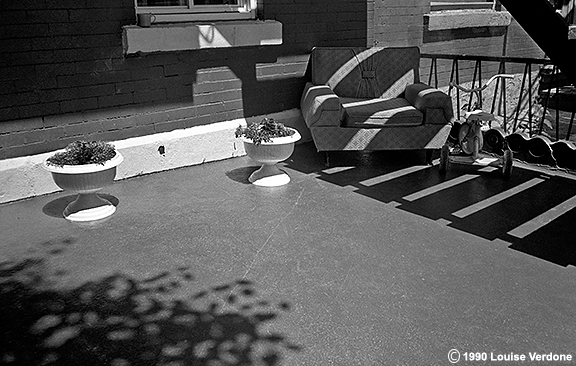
pixel 467 149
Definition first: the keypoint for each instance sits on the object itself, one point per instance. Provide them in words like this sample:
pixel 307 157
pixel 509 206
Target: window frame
pixel 246 9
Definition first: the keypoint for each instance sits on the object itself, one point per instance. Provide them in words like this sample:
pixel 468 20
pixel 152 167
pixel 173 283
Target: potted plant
pixel 85 167
pixel 268 142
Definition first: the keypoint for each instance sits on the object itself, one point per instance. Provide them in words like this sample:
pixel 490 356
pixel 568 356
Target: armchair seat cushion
pixel 379 113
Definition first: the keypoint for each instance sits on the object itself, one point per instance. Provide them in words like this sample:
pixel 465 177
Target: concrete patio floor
pixel 377 260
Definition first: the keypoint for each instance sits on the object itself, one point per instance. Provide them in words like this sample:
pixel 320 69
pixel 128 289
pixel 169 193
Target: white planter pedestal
pixel 89 207
pixel 269 176
pixel 86 180
pixel 269 154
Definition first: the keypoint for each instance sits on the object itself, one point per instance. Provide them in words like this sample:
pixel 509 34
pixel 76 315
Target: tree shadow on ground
pixel 120 320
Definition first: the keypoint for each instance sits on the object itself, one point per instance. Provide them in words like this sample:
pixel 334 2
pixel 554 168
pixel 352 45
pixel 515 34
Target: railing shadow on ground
pixel 120 320
pixel 526 210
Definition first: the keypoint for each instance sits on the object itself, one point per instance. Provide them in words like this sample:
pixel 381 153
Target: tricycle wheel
pixel 507 163
pixel 444 154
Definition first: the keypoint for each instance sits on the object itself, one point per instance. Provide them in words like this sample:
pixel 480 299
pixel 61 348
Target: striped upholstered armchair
pixel 371 99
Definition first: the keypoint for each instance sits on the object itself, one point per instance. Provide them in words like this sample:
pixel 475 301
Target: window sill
pixel 454 19
pixel 193 36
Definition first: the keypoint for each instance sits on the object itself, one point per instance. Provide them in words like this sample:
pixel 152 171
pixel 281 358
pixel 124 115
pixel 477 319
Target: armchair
pixel 371 99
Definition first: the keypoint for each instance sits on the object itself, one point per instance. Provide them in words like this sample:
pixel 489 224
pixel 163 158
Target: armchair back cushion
pixel 366 73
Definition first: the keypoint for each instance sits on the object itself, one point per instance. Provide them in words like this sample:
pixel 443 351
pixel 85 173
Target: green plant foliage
pixel 263 131
pixel 84 152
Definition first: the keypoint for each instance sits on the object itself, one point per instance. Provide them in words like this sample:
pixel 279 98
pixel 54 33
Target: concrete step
pixel 550 78
pixel 563 99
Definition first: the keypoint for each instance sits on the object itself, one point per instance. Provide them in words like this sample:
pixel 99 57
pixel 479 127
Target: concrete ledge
pixel 466 19
pixel 192 36
pixel 24 177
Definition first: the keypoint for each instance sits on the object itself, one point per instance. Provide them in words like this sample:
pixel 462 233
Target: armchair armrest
pixel 320 106
pixel 424 97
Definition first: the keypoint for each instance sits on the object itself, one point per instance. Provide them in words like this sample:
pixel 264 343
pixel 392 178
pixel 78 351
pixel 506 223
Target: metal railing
pixel 531 94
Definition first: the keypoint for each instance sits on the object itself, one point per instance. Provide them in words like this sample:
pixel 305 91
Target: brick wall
pixel 469 41
pixel 59 57
pixel 63 74
pixel 320 22
pixel 399 22
pixel 519 43
pixel 488 41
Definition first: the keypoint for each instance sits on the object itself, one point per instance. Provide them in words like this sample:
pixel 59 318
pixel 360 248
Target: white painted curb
pixel 24 177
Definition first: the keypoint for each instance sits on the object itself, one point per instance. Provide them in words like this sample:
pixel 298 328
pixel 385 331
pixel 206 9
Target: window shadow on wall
pixel 448 35
pixel 237 82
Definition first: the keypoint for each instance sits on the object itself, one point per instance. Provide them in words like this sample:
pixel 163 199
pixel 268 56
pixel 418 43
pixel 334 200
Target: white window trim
pixel 169 14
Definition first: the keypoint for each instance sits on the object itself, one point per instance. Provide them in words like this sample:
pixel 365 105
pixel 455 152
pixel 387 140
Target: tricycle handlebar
pixel 503 76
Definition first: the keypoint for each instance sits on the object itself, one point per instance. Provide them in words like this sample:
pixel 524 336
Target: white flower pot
pixel 86 180
pixel 269 154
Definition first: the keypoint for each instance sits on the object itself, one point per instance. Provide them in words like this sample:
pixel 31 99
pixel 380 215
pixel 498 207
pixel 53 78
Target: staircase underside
pixel 549 30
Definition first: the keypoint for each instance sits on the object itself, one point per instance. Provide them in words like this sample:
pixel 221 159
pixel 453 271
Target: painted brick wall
pixel 483 41
pixel 519 44
pixel 59 57
pixel 489 41
pixel 63 75
pixel 320 22
pixel 399 22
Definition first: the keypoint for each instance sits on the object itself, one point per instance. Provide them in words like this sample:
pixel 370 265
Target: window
pixel 454 5
pixel 189 10
pixel 198 24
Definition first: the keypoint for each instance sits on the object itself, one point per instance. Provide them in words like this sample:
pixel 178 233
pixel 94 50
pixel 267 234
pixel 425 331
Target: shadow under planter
pixel 86 180
pixel 56 208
